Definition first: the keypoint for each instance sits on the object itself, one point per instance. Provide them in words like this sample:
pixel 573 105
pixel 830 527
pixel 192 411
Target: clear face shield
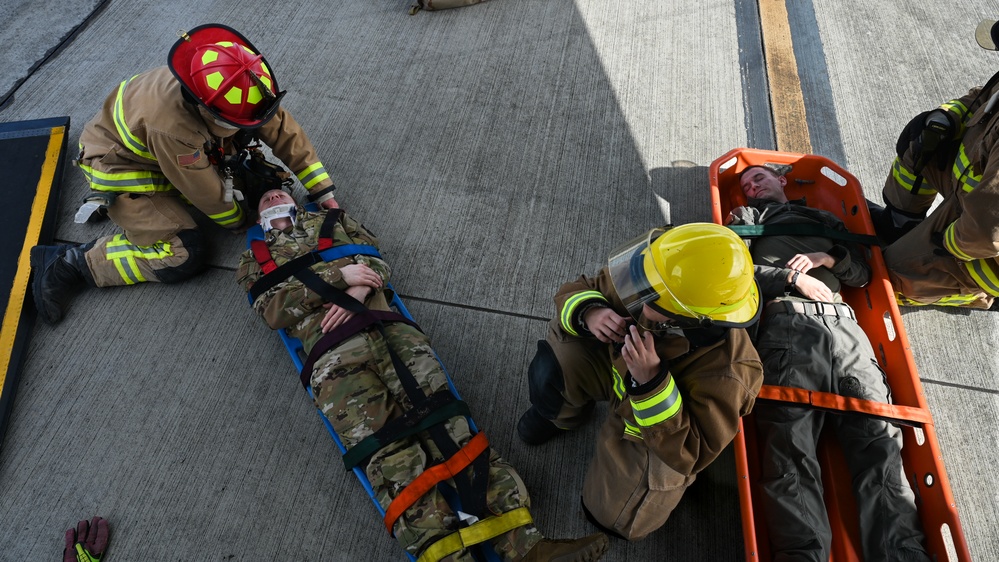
pixel 638 283
pixel 270 214
pixel 627 270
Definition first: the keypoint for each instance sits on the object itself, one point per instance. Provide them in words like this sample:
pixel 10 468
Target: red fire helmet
pixel 226 74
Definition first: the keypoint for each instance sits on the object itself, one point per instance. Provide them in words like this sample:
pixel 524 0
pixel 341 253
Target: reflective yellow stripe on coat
pixel 958 108
pixel 312 175
pixel 983 274
pixel 953 300
pixel 950 243
pixel 570 306
pixel 126 182
pixel 659 407
pixel 132 142
pixel 232 216
pixel 964 172
pixel 618 383
pixel 904 177
pixel 632 430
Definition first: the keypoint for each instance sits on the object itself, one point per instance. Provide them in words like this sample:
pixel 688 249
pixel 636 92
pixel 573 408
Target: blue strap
pixel 338 252
pixel 330 254
pixel 254 233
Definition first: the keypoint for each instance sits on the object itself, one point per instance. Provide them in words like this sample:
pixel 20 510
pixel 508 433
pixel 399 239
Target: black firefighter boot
pixel 535 429
pixel 59 271
pixel 890 223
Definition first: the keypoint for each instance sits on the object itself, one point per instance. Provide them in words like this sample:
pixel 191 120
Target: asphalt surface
pixel 497 150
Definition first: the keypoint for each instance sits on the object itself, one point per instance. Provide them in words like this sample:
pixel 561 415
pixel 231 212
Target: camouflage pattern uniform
pixel 357 389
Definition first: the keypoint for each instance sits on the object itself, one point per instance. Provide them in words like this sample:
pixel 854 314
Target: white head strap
pixel 276 212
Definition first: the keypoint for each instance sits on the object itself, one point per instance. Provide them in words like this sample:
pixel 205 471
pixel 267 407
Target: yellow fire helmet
pixel 699 274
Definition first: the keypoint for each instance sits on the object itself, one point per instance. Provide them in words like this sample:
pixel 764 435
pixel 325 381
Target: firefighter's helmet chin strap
pixel 267 216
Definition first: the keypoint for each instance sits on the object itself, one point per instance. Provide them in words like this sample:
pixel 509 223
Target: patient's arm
pixel 284 304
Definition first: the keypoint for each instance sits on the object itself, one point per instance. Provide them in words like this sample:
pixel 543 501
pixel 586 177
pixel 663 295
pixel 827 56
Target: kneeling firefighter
pixel 950 256
pixel 659 333
pixel 185 134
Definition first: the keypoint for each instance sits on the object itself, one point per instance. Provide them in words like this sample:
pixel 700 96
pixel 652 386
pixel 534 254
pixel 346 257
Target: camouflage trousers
pixel 358 390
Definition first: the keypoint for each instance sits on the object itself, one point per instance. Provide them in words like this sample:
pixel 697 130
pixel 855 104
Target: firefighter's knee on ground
pixel 193 242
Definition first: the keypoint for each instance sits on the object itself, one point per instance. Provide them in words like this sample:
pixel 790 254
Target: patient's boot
pixel 585 549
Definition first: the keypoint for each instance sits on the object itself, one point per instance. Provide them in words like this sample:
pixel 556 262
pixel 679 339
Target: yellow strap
pixel 480 532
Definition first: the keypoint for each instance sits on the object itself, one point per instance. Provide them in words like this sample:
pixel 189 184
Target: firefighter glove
pixel 938 128
pixel 923 134
pixel 87 542
pixel 937 239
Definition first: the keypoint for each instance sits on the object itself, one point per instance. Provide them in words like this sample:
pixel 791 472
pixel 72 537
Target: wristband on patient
pixel 792 284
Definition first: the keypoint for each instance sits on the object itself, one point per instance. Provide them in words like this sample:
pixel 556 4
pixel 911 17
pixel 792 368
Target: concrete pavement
pixel 497 150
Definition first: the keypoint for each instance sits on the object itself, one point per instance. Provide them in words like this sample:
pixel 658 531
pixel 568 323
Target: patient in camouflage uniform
pixel 358 390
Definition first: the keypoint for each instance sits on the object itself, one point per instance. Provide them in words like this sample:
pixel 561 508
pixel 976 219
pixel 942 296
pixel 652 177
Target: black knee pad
pixel 193 241
pixel 545 382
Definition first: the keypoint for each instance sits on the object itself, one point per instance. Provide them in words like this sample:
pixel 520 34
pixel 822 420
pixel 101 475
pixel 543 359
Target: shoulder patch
pixel 189 159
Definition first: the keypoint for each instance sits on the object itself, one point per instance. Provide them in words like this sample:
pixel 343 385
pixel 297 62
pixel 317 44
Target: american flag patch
pixel 189 159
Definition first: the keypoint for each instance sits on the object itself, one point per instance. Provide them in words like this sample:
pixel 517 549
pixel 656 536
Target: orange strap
pixel 830 401
pixel 433 476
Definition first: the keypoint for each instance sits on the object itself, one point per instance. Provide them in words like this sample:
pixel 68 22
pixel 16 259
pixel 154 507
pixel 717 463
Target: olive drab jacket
pixel 147 139
pixel 292 305
pixel 770 253
pixel 690 411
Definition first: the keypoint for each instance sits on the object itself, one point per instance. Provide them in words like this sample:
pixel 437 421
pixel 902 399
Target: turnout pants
pixel 829 354
pixel 628 489
pixel 358 390
pixel 161 242
pixel 921 271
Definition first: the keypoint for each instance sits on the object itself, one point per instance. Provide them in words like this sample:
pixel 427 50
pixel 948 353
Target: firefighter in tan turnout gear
pixel 948 258
pixel 167 139
pixel 659 333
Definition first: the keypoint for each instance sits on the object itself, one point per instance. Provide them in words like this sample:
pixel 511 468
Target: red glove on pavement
pixel 87 542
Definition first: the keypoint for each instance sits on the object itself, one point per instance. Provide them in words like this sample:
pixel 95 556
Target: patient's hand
pixel 805 262
pixel 359 274
pixel 813 289
pixel 336 315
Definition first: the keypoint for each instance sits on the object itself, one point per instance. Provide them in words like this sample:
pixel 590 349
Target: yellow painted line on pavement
pixel 19 291
pixel 786 100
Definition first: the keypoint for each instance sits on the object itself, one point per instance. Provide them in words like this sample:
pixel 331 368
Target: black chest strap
pixel 276 274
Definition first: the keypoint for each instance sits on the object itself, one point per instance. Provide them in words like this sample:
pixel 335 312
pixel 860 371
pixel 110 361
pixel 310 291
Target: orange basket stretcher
pixel 828 186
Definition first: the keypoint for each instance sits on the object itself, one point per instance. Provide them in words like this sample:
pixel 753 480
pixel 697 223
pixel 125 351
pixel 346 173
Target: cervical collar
pixel 276 212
